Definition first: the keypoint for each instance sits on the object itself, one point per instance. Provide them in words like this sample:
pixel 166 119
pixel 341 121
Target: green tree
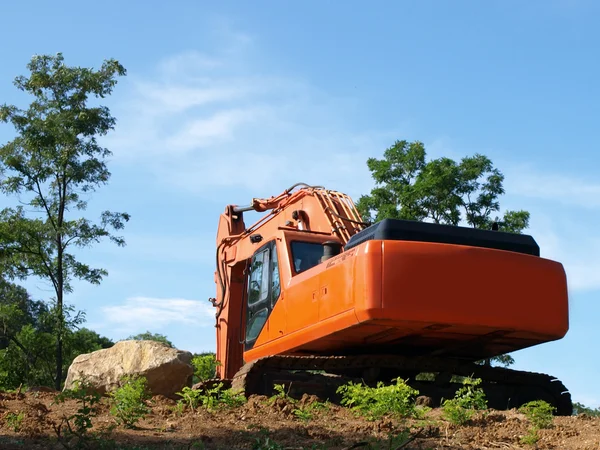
pixel 441 190
pixel 52 166
pixel 30 354
pixel 17 309
pixel 147 336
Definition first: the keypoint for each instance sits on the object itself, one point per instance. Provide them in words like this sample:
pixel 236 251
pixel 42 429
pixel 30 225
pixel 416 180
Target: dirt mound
pixel 31 421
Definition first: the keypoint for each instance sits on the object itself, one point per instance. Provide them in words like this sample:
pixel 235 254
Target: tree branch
pixel 44 203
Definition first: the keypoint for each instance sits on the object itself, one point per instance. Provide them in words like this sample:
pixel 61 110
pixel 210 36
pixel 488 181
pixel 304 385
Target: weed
pixel 231 398
pixel 129 401
pixel 178 408
pixel 280 393
pixel 396 399
pixel 531 438
pixel 14 420
pixel 302 412
pixel 211 398
pixel 540 414
pixel 466 401
pixel 306 412
pixel 87 398
pixel 264 442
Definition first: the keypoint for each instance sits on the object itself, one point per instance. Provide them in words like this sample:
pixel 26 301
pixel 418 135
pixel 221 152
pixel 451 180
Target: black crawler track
pixel 504 388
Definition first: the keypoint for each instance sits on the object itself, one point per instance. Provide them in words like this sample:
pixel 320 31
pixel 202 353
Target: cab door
pixel 263 290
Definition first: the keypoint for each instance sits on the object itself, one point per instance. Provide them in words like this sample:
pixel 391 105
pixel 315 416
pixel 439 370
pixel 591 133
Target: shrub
pixel 211 398
pixel 205 367
pixel 129 401
pixel 466 401
pixel 374 402
pixel 540 414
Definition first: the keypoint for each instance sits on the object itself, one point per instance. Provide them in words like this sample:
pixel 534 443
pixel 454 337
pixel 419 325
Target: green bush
pixel 211 398
pixel 375 402
pixel 467 400
pixel 541 415
pixel 205 367
pixel 129 401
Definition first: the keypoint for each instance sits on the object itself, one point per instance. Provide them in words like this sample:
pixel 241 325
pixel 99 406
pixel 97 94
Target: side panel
pixel 320 301
pixel 337 285
pixel 302 300
pixel 458 285
pixel 368 279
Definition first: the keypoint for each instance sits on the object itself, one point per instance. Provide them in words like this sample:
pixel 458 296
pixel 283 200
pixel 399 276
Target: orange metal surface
pixel 310 212
pixel 420 298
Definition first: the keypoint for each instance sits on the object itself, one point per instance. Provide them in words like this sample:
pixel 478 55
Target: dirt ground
pixel 260 424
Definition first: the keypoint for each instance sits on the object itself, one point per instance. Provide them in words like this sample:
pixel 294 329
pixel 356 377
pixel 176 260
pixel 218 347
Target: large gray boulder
pixel 166 369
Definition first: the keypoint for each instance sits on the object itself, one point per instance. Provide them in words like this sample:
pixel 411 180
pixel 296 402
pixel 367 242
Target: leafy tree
pixel 441 190
pixel 29 358
pixel 580 408
pixel 17 309
pixel 27 341
pixel 52 165
pixel 147 336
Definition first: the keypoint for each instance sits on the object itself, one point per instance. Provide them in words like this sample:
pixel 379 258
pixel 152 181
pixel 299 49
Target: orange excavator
pixel 310 296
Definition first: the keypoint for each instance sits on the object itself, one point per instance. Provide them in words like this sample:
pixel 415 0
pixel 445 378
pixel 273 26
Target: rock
pixel 167 370
pixel 423 400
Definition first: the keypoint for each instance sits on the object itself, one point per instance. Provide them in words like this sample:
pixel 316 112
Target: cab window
pixel 264 288
pixel 259 277
pixel 306 255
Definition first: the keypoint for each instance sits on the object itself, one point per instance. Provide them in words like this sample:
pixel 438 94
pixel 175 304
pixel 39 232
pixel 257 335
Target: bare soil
pixel 244 427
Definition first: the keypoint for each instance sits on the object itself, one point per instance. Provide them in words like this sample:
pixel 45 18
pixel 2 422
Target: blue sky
pixel 229 101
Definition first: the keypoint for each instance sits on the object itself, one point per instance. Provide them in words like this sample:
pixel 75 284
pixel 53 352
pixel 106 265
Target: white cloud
pixel 173 98
pixel 147 312
pixel 568 190
pixel 199 133
pixel 572 246
pixel 205 121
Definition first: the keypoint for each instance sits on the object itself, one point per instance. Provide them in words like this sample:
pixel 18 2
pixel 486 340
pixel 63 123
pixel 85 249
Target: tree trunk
pixel 60 281
pixel 59 361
